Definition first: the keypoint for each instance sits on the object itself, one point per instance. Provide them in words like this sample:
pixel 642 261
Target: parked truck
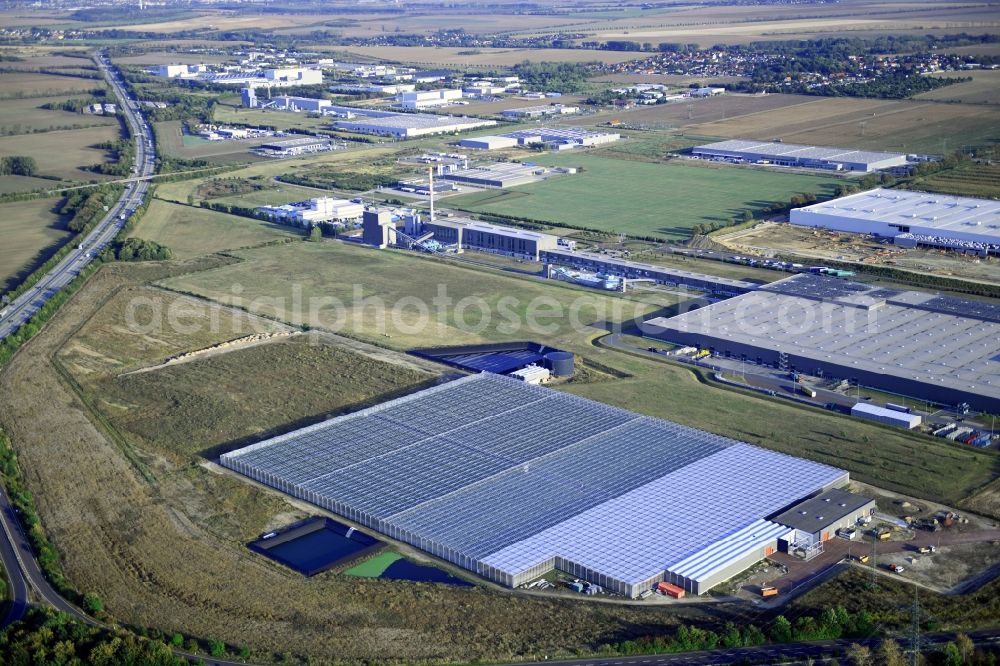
pixel 925 550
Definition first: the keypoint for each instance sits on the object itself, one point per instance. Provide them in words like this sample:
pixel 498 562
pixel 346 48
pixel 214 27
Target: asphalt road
pixel 14 315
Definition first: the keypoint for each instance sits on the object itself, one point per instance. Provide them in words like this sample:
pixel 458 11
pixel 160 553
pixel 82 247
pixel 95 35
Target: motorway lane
pixel 14 315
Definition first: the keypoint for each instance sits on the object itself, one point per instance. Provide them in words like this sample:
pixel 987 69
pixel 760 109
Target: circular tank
pixel 560 363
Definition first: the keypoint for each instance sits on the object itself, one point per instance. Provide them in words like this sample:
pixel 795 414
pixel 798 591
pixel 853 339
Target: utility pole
pixel 915 630
pixel 874 571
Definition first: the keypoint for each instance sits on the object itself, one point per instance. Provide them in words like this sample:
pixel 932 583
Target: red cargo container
pixel 670 590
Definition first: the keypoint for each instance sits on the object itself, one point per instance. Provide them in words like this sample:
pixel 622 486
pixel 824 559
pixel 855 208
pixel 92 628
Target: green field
pixel 379 295
pixel 64 154
pixel 10 184
pixel 374 567
pixel 643 199
pixel 967 179
pixel 19 116
pixel 31 232
pixel 187 408
pixel 191 232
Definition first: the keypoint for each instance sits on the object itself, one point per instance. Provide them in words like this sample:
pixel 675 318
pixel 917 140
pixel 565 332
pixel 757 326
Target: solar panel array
pixel 488 466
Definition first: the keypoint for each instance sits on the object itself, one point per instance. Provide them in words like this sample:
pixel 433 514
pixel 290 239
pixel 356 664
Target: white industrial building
pixel 795 155
pixel 540 111
pixel 179 71
pixel 374 88
pixel 884 415
pixel 314 211
pixel 922 218
pixel 270 78
pixel 408 125
pixel 284 102
pixel 707 92
pixel 293 76
pixel 561 138
pixel 427 99
pixel 533 374
pixel 294 147
pixel 489 142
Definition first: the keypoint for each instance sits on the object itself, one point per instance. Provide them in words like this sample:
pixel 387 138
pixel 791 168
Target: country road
pixel 19 311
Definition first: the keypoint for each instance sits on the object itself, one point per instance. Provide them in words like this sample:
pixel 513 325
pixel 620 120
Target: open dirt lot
pixel 948 567
pixel 31 232
pixel 697 112
pixel 64 153
pixel 192 232
pixel 903 126
pixel 820 244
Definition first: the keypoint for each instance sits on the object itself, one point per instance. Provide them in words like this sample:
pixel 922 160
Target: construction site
pixel 770 239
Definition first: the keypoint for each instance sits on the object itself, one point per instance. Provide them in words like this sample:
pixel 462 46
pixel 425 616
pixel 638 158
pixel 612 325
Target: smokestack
pixel 430 173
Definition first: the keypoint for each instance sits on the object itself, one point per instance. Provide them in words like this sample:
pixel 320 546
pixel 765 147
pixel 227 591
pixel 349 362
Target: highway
pixel 15 314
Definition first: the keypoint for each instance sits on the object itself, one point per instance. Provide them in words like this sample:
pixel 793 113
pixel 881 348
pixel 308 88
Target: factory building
pixel 374 88
pixel 497 174
pixel 864 410
pixel 250 100
pixel 918 218
pixel 293 76
pixel 489 142
pixel 793 155
pixel 930 347
pixel 427 99
pixel 178 71
pixel 314 211
pixel 609 266
pixel 409 125
pixel 510 480
pixel 294 147
pixel 818 518
pixel 378 229
pixel 539 111
pixel 561 138
pixel 484 237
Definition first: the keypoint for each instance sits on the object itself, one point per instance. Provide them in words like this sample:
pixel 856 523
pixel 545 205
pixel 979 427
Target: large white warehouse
pixel 919 217
pixel 790 154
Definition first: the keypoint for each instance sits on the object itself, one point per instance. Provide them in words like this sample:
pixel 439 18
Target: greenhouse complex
pixel 510 481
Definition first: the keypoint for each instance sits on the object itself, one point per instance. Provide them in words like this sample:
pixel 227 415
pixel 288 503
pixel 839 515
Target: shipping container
pixel 768 591
pixel 670 590
pixel 898 408
pixel 960 432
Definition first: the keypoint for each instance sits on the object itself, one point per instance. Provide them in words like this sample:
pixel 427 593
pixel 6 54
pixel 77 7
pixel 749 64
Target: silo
pixel 560 363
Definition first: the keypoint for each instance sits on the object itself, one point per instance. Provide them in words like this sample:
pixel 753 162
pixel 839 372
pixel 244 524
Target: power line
pixel 915 629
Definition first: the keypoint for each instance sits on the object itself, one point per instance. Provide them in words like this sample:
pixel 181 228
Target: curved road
pixel 14 315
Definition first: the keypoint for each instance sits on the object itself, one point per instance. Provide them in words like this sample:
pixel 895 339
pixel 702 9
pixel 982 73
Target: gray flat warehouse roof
pixel 825 509
pixel 900 339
